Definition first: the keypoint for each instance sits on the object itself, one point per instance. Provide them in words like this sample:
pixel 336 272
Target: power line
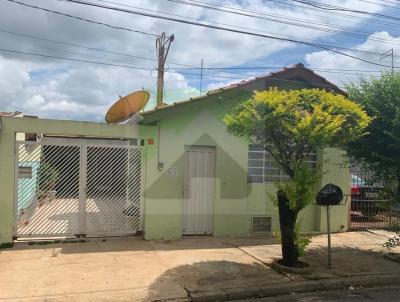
pixel 87 47
pixel 330 12
pixel 278 19
pixel 381 4
pixel 293 18
pixel 186 66
pixel 344 9
pixel 81 18
pixel 253 29
pixel 221 28
pixel 353 71
pixel 105 63
pixel 72 59
pixel 313 25
pixel 144 68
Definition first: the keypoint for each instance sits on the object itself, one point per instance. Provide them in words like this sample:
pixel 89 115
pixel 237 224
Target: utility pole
pixel 201 74
pixel 389 53
pixel 163 44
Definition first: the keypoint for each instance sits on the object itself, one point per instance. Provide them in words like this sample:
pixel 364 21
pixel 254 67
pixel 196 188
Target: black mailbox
pixel 329 195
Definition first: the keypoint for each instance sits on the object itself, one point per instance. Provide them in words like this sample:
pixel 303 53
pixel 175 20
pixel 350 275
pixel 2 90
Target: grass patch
pixel 6 245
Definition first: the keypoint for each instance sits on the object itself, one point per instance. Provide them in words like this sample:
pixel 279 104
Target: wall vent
pixel 260 224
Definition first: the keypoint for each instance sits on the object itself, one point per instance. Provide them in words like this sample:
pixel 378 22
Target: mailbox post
pixel 329 195
pixel 328 229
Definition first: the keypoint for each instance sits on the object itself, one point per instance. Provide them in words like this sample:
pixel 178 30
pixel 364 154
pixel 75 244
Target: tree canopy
pixel 291 124
pixel 380 148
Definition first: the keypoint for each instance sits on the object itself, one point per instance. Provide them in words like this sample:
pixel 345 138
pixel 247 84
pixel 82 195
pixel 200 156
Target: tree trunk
pixel 287 221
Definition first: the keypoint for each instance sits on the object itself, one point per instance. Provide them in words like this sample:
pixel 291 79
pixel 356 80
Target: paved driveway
pixel 127 269
pixel 138 270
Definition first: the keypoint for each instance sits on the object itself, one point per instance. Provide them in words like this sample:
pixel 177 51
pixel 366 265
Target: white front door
pixel 198 204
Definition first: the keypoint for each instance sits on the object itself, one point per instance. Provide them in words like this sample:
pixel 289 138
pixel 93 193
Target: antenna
pixel 389 53
pixel 163 44
pixel 127 107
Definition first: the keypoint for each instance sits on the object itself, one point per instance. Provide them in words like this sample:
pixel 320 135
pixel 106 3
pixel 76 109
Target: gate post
pixel 142 185
pixel 7 186
pixel 82 189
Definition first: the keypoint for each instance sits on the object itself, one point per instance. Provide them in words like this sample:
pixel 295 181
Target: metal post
pixel 82 189
pixel 386 54
pixel 392 60
pixel 328 224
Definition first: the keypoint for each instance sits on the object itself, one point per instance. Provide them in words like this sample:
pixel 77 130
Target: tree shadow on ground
pixel 213 275
pixel 348 261
pixel 216 275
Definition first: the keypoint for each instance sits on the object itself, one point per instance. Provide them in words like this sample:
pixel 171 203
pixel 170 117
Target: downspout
pixel 160 165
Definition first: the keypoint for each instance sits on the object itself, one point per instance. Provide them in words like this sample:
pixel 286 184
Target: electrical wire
pixel 241 27
pixel 313 25
pixel 344 9
pixel 380 4
pixel 279 19
pixel 328 46
pixel 315 45
pixel 186 66
pixel 105 63
pixel 145 68
pixel 82 19
pixel 86 47
pixel 285 3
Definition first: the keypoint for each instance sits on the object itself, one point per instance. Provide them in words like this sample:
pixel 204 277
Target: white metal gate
pixel 78 188
pixel 198 206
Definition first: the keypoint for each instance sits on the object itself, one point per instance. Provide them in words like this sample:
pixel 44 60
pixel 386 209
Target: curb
pixel 263 291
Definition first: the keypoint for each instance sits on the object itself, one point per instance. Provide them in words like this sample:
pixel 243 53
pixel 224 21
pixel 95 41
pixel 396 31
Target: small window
pixel 260 224
pixel 30 137
pixel 24 172
pixel 262 168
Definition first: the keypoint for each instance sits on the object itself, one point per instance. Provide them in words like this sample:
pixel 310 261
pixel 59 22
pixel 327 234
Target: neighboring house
pixel 27 169
pixel 178 172
pixel 200 179
pixel 15 113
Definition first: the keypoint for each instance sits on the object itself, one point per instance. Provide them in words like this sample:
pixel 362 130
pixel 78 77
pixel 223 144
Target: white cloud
pixel 329 60
pixel 60 89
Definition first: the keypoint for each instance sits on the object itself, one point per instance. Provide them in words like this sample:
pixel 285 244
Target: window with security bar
pixel 262 168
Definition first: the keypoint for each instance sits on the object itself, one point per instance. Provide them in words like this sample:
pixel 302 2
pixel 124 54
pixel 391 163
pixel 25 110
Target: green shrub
pixel 392 242
pixel 6 245
pixel 301 241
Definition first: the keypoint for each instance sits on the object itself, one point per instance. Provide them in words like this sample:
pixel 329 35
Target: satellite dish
pixel 127 106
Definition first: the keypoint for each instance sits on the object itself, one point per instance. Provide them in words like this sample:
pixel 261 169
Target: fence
pixel 369 208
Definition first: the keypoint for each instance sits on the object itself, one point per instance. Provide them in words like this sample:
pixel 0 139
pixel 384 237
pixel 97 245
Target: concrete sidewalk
pixel 197 267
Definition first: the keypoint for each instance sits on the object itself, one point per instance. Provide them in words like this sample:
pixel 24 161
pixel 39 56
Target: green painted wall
pixel 197 123
pixel 7 177
pixel 338 173
pixel 200 123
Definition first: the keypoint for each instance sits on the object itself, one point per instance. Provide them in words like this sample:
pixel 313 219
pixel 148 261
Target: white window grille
pixel 262 168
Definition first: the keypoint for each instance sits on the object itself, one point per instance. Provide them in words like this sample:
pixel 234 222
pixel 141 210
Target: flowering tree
pixel 290 125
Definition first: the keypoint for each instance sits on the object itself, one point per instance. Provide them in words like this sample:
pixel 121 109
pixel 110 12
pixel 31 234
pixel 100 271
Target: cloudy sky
pixel 58 88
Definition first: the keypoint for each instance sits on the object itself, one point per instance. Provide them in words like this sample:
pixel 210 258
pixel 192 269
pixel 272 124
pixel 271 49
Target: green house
pixel 200 179
pixel 177 172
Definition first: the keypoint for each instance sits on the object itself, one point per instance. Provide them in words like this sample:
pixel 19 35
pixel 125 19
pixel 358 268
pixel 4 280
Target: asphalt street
pixel 387 294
